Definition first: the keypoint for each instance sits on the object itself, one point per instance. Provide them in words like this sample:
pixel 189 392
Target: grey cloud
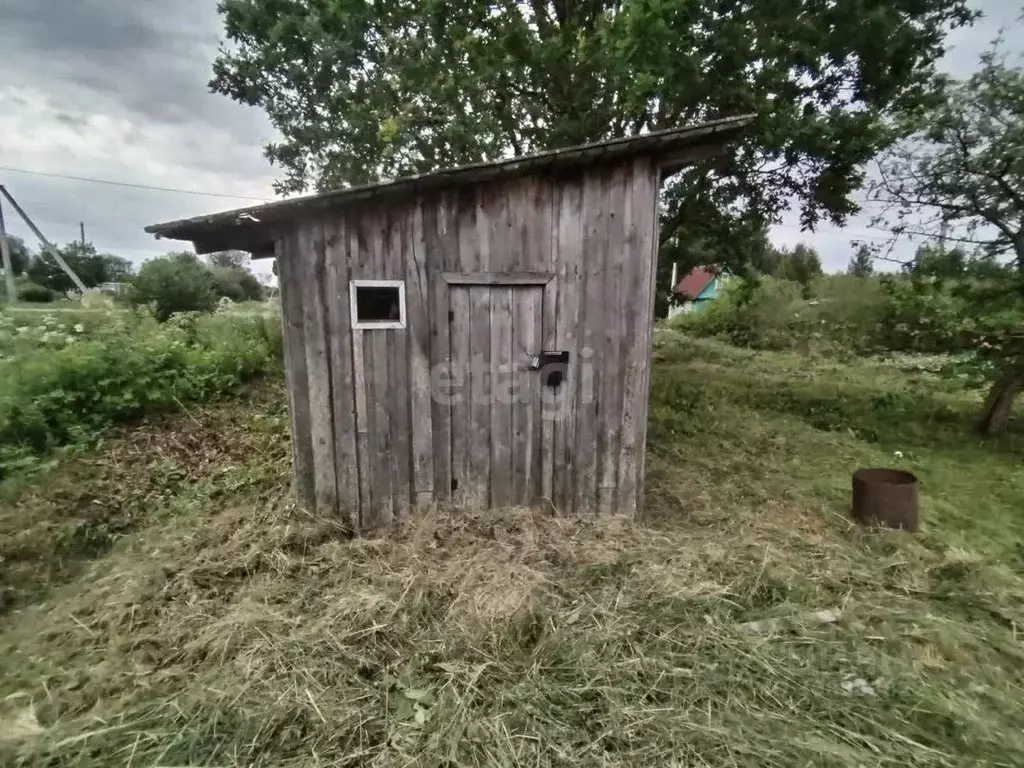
pixel 141 68
pixel 154 56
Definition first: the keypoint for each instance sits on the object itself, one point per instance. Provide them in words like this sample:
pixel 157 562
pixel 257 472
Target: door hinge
pixel 451 315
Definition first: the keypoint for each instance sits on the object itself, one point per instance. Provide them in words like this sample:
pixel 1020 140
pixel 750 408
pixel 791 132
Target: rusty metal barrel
pixel 886 497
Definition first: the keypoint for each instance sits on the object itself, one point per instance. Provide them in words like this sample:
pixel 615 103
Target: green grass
pixel 173 609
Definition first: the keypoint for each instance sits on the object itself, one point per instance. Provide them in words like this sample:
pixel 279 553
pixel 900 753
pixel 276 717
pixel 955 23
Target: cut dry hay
pixel 258 637
pixel 746 623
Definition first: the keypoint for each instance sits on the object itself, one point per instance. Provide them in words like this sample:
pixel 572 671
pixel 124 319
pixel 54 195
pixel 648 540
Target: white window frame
pixel 380 325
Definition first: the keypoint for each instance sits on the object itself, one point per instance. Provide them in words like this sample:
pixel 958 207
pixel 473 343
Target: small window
pixel 377 304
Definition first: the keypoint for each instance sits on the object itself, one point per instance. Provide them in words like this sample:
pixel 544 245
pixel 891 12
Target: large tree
pixel 862 264
pixel 20 254
pixel 175 282
pixel 961 179
pixel 232 259
pixel 91 267
pixel 361 91
pixel 801 265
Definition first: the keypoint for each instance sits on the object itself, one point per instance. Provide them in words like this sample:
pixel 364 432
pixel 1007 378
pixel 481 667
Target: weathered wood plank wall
pixel 372 443
pixel 289 260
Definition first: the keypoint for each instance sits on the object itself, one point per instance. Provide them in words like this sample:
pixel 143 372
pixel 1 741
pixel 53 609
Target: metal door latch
pixel 552 365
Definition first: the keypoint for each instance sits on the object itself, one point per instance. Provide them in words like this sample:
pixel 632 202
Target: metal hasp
pixel 552 367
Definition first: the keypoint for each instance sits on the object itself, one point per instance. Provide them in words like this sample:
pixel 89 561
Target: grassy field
pixel 164 605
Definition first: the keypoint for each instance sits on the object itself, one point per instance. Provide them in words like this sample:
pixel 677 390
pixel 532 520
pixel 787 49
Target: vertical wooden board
pixel 570 258
pixel 501 404
pixel 288 258
pixel 419 336
pixel 360 266
pixel 462 252
pixel 479 260
pixel 380 434
pixel 549 327
pixel 438 240
pixel 591 370
pixel 362 429
pixel 318 374
pixel 615 319
pixel 537 224
pixel 646 214
pixel 371 509
pixel 514 203
pixel 460 396
pixel 526 338
pixel 381 374
pixel 637 244
pixel 479 438
pixel 528 245
pixel 395 245
pixel 496 214
pixel 474 221
pixel 375 356
pixel 339 333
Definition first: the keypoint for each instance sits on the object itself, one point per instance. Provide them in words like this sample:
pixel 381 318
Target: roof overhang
pixel 253 228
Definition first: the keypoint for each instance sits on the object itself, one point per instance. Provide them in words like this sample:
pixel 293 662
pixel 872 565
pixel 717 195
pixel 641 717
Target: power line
pixel 132 186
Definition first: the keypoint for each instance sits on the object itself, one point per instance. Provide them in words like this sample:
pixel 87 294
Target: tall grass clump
pixel 62 386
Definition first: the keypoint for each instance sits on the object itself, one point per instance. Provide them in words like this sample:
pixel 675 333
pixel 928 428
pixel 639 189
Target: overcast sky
pixel 115 89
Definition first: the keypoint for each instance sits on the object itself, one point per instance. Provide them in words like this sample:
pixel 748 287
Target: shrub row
pixel 859 315
pixel 70 390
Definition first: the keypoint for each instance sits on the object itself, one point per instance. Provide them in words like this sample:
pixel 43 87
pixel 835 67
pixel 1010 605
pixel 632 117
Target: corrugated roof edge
pixel 252 218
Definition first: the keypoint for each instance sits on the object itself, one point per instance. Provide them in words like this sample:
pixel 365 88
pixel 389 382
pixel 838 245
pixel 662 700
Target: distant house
pixel 696 289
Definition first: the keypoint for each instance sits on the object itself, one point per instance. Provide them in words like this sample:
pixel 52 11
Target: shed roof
pixel 243 227
pixel 697 280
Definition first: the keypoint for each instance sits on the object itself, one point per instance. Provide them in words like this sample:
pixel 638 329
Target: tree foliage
pixel 963 173
pixel 936 261
pixel 862 264
pixel 91 267
pixel 20 254
pixel 231 259
pixel 177 282
pixel 362 91
pixel 236 284
pixel 801 265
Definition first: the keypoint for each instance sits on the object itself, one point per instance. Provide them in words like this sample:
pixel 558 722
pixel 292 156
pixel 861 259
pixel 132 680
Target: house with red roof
pixel 698 287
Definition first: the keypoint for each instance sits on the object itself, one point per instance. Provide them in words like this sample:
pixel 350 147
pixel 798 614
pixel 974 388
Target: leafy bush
pixel 236 283
pixel 763 316
pixel 177 282
pixel 920 316
pixel 70 390
pixel 35 293
pixel 848 314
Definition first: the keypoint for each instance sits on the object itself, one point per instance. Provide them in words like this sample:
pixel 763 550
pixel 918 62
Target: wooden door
pixel 494 331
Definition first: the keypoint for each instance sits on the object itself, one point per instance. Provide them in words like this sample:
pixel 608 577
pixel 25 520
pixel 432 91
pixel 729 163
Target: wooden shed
pixel 479 336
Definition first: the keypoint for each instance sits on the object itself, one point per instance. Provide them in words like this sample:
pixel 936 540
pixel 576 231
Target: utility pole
pixel 5 251
pixel 47 245
pixel 81 228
